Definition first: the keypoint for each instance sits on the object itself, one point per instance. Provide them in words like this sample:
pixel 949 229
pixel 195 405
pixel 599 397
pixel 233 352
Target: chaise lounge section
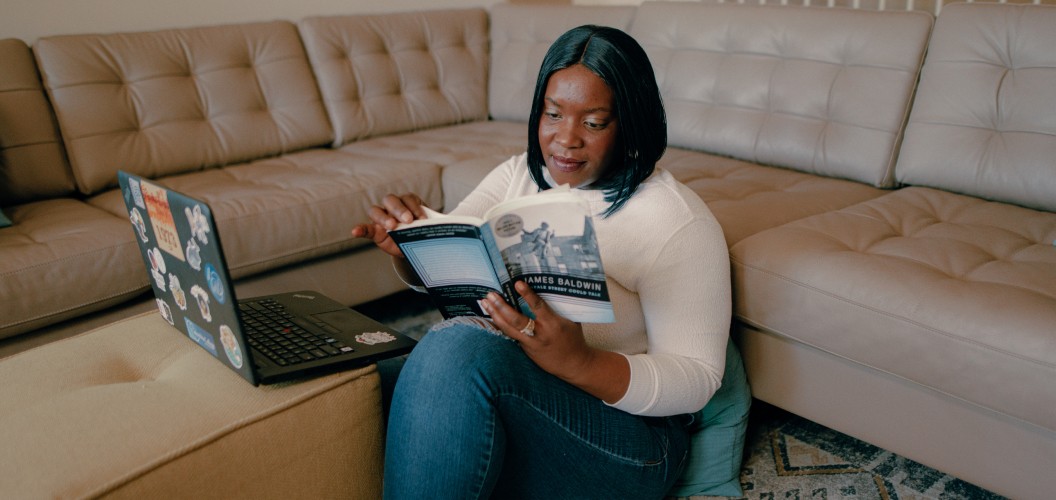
pixel 884 181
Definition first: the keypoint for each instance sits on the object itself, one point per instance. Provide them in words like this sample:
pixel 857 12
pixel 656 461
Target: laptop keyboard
pixel 270 330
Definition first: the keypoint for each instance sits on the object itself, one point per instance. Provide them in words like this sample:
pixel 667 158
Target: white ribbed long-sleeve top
pixel 668 274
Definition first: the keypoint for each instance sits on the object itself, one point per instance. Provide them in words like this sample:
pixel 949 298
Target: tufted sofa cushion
pixel 136 410
pixel 984 122
pixel 420 96
pixel 399 72
pixel 63 258
pixel 830 100
pixel 969 283
pixel 747 198
pixel 174 101
pixel 520 37
pixel 32 161
pixel 291 209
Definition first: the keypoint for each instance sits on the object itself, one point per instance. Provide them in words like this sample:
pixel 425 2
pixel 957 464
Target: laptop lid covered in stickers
pixel 181 250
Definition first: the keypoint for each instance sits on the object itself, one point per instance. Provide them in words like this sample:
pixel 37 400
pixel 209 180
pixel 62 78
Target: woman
pixel 569 410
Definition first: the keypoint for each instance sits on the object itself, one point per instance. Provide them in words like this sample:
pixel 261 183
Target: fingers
pixel 403 208
pixel 396 209
pixel 393 210
pixel 535 302
pixel 506 317
pixel 510 319
pixel 379 236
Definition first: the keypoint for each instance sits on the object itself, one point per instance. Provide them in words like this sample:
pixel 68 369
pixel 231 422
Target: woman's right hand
pixel 393 210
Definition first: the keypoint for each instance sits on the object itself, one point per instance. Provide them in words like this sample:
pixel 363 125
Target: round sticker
pixel 212 278
pixel 509 225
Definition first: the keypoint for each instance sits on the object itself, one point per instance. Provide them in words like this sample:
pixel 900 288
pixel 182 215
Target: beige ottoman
pixel 136 410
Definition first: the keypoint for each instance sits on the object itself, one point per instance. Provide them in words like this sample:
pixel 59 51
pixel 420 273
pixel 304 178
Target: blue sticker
pixel 216 285
pixel 202 337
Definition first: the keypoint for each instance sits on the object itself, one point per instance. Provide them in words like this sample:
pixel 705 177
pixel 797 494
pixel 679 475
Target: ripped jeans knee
pixel 475 322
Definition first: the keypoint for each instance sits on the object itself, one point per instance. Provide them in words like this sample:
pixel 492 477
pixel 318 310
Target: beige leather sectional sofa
pixel 893 241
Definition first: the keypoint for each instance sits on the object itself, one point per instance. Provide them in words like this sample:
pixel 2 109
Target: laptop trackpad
pixel 342 319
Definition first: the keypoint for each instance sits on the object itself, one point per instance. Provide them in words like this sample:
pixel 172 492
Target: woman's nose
pixel 567 135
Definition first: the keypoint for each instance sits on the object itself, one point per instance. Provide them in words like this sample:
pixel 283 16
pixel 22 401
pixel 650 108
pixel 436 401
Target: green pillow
pixel 716 448
pixel 4 221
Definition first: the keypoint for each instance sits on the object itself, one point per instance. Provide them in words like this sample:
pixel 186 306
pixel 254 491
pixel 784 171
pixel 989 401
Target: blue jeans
pixel 473 417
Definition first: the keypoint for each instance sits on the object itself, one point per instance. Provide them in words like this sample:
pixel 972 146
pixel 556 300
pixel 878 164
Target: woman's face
pixel 577 128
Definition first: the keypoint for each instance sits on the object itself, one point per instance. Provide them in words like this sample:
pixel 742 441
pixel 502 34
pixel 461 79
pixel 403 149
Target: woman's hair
pixel 641 123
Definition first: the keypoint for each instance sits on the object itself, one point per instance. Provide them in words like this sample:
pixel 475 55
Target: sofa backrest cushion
pixel 389 73
pixel 821 90
pixel 32 161
pixel 520 37
pixel 984 119
pixel 171 101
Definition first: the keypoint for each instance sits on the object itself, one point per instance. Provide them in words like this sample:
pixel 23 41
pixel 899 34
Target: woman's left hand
pixel 557 345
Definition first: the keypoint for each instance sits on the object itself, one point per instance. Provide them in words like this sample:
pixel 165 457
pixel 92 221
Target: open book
pixel 546 240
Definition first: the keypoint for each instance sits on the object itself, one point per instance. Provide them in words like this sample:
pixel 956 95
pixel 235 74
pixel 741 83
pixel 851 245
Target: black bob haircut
pixel 623 65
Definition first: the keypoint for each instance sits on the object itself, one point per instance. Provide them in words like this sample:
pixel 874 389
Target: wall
pixel 32 19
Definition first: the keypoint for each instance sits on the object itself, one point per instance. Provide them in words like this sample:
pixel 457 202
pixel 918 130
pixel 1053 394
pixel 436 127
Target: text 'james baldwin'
pixel 559 281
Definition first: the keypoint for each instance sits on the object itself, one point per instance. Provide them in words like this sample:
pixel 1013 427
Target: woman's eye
pixel 596 125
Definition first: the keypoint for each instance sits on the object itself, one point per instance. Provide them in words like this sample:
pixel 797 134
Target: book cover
pixel 546 240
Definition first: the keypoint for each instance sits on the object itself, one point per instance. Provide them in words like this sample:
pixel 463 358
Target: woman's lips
pixel 566 164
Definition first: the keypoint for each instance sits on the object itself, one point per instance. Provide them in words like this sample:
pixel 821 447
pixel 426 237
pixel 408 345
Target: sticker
pixel 371 338
pixel 212 278
pixel 166 312
pixel 509 225
pixel 234 353
pixel 200 336
pixel 161 220
pixel 194 254
pixel 139 224
pixel 137 195
pixel 177 292
pixel 157 267
pixel 199 224
pixel 203 302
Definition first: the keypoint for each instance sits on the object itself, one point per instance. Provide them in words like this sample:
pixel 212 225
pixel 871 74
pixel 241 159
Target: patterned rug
pixel 790 457
pixel 787 457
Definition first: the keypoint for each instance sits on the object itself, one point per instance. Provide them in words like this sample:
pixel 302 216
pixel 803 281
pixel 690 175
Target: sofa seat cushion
pixel 63 258
pixel 461 178
pixel 747 198
pixel 952 292
pixel 465 152
pixel 137 410
pixel 300 206
pixel 462 175
pixel 448 145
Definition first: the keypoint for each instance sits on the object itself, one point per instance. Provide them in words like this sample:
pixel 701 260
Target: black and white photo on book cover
pixel 546 240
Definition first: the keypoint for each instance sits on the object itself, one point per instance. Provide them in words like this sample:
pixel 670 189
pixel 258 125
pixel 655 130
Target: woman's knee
pixel 460 347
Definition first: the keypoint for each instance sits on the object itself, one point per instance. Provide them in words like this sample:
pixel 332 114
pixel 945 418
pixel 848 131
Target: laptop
pixel 264 339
